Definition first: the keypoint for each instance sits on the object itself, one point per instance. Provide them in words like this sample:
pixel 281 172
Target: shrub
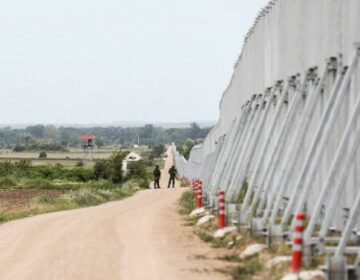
pixel 157 151
pixel 18 148
pixel 102 169
pixel 116 166
pixel 247 270
pixel 7 182
pixel 45 172
pixel 110 168
pixel 52 172
pixel 101 184
pixel 105 194
pixel 43 155
pixel 6 168
pixel 118 193
pixel 86 197
pixel 130 186
pixel 79 174
pixel 23 167
pixel 137 169
pixel 79 163
pixel 187 202
pixel 144 183
pixel 185 149
pixel 38 183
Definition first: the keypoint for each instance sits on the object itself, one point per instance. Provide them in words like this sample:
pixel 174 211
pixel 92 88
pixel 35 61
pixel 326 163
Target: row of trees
pixel 40 137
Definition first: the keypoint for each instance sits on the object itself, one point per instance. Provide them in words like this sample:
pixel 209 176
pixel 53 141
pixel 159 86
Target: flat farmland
pixel 68 158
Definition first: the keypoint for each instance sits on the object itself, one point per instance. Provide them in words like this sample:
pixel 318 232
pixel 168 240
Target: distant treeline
pixel 51 138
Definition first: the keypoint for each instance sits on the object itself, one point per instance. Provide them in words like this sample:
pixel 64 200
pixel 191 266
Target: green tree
pixel 43 155
pixel 6 168
pixel 36 130
pixel 23 167
pixel 185 149
pixel 195 130
pixel 19 148
pixel 115 162
pixel 51 132
pixel 102 169
pixel 100 143
pixel 157 151
pixel 137 169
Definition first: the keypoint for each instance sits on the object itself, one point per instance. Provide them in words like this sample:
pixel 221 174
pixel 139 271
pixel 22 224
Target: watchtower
pixel 88 144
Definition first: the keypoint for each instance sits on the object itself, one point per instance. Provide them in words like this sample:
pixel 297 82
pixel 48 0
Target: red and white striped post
pixel 297 242
pixel 199 195
pixel 221 207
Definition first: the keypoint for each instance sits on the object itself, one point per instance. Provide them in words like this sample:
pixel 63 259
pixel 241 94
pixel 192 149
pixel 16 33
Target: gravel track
pixel 142 237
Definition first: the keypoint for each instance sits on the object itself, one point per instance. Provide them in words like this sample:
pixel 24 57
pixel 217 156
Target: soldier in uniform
pixel 172 172
pixel 157 175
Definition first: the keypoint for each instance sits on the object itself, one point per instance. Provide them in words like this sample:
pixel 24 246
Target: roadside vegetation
pixel 186 203
pixel 233 244
pixel 27 190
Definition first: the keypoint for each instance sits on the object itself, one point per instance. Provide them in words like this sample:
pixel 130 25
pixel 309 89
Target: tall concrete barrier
pixel 287 139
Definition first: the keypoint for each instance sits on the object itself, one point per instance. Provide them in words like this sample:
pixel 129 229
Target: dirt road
pixel 141 237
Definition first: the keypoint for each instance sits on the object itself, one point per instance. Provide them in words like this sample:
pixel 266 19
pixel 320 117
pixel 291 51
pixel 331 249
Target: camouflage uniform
pixel 157 175
pixel 172 172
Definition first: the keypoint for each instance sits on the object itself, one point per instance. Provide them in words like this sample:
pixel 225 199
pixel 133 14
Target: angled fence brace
pixel 240 143
pixel 253 144
pixel 212 165
pixel 320 141
pixel 275 150
pixel 354 216
pixel 345 157
pixel 205 172
pixel 288 166
pixel 239 138
pixel 249 138
pixel 228 148
pixel 265 147
pixel 284 136
pixel 241 132
pixel 209 189
pixel 223 153
pixel 221 145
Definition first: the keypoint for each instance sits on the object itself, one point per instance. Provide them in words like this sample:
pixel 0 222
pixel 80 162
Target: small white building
pixel 131 157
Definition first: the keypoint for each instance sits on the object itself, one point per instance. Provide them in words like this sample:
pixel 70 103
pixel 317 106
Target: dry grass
pixel 186 203
pixel 40 202
pixel 251 268
pixel 247 269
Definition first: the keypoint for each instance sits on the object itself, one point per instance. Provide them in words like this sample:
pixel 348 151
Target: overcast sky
pixel 92 61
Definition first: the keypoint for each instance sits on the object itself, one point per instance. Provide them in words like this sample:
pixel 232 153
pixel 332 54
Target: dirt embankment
pixel 13 200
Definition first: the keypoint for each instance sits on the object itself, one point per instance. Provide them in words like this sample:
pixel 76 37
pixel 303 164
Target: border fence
pixel 289 131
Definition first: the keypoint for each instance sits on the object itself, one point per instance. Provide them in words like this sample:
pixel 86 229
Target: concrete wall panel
pixel 287 39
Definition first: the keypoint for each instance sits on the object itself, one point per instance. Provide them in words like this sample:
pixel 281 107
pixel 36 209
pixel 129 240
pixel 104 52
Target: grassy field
pixel 16 204
pixel 54 184
pixel 67 158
